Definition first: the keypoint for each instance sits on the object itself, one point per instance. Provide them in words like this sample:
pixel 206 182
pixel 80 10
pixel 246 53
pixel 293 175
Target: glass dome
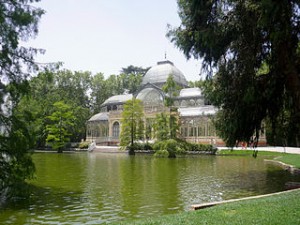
pixel 159 74
pixel 150 96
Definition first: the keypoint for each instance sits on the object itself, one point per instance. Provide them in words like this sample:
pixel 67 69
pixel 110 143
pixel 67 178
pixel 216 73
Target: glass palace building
pixel 194 112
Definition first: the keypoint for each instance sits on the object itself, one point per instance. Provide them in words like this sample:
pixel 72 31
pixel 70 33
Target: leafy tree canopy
pixel 62 120
pixel 132 127
pixel 171 90
pixel 254 47
pixel 18 22
pixel 135 70
pixel 162 127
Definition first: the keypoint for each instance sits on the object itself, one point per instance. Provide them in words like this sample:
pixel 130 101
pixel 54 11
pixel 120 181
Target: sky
pixel 108 35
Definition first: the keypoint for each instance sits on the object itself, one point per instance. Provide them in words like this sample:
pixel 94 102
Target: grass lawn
pixel 291 159
pixel 278 209
pixel 249 152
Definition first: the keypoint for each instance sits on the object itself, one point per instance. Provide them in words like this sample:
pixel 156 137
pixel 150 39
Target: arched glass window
pixel 184 131
pixel 192 102
pixel 200 102
pixel 103 129
pixel 116 129
pixel 150 96
pixel 183 103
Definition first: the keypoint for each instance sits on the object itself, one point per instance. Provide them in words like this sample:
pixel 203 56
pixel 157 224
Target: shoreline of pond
pixel 116 149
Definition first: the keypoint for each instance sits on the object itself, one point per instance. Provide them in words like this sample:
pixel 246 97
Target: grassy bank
pixel 291 159
pixel 283 208
pixel 249 153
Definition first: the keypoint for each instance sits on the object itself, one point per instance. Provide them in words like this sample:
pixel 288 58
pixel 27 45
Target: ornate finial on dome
pixel 165 54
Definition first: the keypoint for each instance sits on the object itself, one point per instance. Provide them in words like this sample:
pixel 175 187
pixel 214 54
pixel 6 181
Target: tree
pixel 99 92
pixel 132 124
pixel 49 87
pixel 73 88
pixel 254 47
pixel 131 77
pixel 135 70
pixel 130 82
pixel 198 83
pixel 18 22
pixel 59 129
pixel 38 103
pixel 15 160
pixel 162 127
pixel 114 85
pixel 171 90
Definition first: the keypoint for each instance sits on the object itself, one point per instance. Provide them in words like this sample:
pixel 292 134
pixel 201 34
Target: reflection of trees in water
pixel 41 204
pixel 149 186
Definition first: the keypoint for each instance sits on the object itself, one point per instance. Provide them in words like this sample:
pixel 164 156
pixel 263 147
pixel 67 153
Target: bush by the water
pixel 84 145
pixel 161 154
pixel 177 146
pixel 169 146
pixel 173 147
pixel 206 148
pixel 139 146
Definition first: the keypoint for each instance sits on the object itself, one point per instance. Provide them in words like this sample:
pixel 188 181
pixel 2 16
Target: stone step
pixel 108 149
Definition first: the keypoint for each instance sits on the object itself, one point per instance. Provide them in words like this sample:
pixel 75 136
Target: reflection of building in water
pixel 195 113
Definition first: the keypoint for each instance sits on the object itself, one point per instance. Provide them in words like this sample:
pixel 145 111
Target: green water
pixel 95 188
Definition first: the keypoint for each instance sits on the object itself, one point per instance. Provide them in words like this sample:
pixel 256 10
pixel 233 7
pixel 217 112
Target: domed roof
pixel 159 74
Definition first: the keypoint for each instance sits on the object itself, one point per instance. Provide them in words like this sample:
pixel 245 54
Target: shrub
pixel 178 146
pixel 84 145
pixel 139 146
pixel 159 145
pixel 148 146
pixel 202 148
pixel 183 146
pixel 161 154
pixel 180 150
pixel 172 146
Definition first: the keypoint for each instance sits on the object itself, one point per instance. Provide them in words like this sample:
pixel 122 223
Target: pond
pixel 95 188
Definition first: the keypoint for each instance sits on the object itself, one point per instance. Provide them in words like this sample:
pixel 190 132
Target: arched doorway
pixel 116 129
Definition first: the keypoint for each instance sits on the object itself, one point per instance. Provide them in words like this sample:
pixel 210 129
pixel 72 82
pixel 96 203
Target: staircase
pixel 108 149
